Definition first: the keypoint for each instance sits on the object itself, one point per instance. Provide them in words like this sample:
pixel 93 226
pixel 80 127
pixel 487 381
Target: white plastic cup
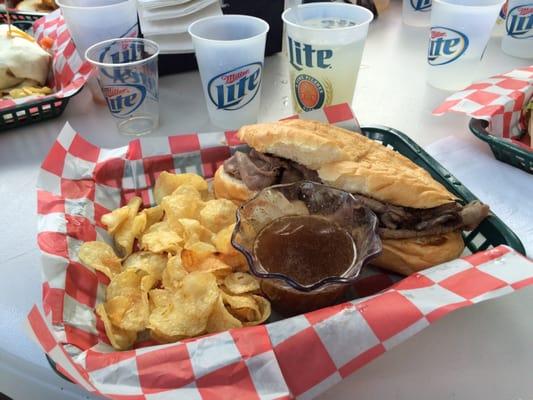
pixel 459 33
pixel 518 38
pixel 128 77
pixel 325 43
pixel 416 12
pixel 230 50
pixel 92 21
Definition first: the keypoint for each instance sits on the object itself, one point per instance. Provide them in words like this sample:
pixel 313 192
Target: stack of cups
pixel 92 21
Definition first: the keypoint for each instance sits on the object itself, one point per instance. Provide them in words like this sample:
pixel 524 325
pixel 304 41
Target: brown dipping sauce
pixel 307 248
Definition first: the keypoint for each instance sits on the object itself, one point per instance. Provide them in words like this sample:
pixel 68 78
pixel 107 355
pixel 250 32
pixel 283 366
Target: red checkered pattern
pixel 69 71
pixel 299 357
pixel 499 100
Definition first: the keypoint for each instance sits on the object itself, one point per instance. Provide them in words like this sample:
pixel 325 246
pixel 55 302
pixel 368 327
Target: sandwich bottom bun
pixel 405 256
pixel 227 187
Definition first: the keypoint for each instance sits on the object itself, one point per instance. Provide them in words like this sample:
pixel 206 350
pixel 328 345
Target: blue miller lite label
pixel 234 89
pixel 519 22
pixel 126 88
pixel 446 45
pixel 421 5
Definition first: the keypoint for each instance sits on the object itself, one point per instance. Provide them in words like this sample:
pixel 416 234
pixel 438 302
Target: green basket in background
pixel 40 109
pixel 503 150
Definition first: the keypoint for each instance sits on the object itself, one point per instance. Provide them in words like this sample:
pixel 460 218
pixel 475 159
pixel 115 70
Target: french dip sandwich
pixel 420 221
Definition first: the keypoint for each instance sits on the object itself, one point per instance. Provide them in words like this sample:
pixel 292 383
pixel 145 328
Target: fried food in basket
pixel 173 271
pixel 41 6
pixel 24 65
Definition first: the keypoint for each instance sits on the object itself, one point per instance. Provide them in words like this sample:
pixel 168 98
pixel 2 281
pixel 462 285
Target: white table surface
pixel 483 352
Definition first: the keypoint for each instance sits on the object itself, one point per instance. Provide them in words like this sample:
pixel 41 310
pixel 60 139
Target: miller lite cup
pixel 325 44
pixel 128 78
pixel 518 37
pixel 416 12
pixel 230 50
pixel 459 33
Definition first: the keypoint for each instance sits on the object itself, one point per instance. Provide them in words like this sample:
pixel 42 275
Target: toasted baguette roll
pixel 227 187
pixel 405 256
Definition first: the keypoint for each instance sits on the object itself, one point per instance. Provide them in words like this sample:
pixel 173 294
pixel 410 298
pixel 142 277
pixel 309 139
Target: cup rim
pixel 266 27
pixel 480 6
pixel 62 5
pixel 337 5
pixel 126 64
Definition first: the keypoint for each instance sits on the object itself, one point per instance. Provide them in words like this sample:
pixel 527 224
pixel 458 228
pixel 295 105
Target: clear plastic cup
pixel 230 50
pixel 459 33
pixel 325 43
pixel 518 38
pixel 128 78
pixel 416 12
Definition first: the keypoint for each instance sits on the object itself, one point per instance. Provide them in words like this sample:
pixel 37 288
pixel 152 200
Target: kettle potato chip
pixel 189 308
pixel 120 339
pixel 222 241
pixel 241 282
pixel 160 238
pixel 167 183
pixel 151 263
pixel 217 214
pixel 173 273
pixel 101 257
pixel 221 319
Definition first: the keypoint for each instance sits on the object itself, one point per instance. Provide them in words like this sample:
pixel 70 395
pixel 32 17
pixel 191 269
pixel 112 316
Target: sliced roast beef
pixel 259 170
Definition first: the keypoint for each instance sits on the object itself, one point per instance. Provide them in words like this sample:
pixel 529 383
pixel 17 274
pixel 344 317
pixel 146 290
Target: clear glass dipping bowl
pixel 288 296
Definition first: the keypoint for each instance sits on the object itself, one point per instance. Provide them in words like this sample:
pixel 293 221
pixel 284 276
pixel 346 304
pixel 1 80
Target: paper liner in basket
pixel 501 100
pixel 79 182
pixel 68 71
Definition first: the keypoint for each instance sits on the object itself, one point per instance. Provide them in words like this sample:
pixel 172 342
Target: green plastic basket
pixel 20 19
pixel 490 233
pixel 29 113
pixel 38 110
pixel 503 150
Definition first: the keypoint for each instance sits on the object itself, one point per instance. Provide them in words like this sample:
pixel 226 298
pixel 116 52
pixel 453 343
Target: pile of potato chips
pixel 176 275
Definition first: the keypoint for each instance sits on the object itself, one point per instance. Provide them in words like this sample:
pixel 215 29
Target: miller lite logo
pixel 123 100
pixel 421 5
pixel 234 89
pixel 519 23
pixel 446 45
pixel 304 55
pixel 126 88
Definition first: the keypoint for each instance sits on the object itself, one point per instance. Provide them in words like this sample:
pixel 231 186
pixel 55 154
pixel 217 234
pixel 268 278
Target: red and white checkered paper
pixel 500 100
pixel 299 357
pixel 68 73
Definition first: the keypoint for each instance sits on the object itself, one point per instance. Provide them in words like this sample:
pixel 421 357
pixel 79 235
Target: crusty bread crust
pixel 227 187
pixel 300 145
pixel 405 256
pixel 349 161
